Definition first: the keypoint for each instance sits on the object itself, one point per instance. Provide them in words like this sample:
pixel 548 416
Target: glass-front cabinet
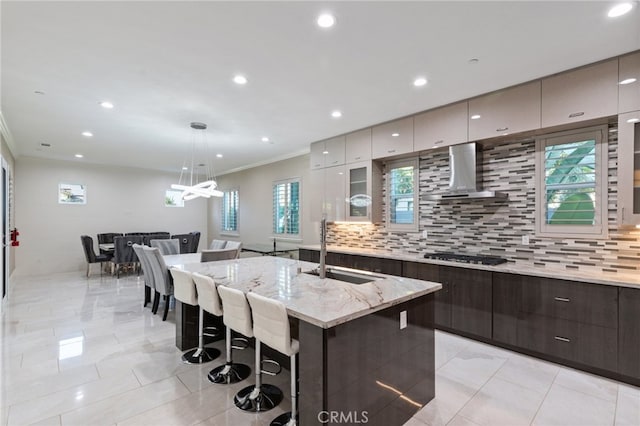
pixel 629 168
pixel 364 192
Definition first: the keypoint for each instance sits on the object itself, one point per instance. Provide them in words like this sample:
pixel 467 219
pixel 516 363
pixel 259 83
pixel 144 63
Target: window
pixel 286 207
pixel 402 195
pixel 571 197
pixel 230 211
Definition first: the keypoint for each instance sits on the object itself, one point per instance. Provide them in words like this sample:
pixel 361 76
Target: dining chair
pixel 166 246
pixel 147 273
pixel 217 244
pixel 90 254
pixel 237 245
pixel 186 242
pixel 195 241
pixel 107 238
pixel 146 239
pixel 161 277
pixel 123 253
pixel 213 255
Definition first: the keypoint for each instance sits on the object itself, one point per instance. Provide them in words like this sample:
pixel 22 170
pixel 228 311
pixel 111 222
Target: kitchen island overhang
pixel 366 350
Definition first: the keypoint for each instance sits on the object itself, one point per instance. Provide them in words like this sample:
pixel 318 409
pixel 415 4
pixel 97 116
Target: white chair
pixel 166 246
pixel 271 327
pixel 235 318
pixel 184 290
pixel 217 244
pixel 161 278
pixel 237 245
pixel 213 255
pixel 147 273
pixel 261 396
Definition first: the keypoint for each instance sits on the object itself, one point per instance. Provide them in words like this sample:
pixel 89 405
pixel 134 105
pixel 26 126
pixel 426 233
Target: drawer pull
pixel 391 150
pixel 562 339
pixel 502 129
pixel 357 158
pixel 562 299
pixel 437 142
pixel 576 114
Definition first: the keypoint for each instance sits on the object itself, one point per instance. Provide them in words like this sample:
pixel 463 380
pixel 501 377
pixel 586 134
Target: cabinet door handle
pixel 438 142
pixel 562 299
pixel 576 114
pixel 335 162
pixel 357 158
pixel 391 150
pixel 502 129
pixel 563 339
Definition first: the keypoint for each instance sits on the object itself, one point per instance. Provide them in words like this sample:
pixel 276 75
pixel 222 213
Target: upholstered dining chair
pixel 217 244
pixel 147 273
pixel 123 253
pixel 166 247
pixel 161 277
pixel 107 238
pixel 237 245
pixel 195 241
pixel 90 254
pixel 146 239
pixel 186 242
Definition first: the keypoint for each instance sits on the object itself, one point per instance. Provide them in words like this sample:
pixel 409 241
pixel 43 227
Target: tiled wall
pixel 487 226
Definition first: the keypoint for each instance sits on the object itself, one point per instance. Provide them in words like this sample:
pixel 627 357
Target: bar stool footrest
pixel 229 373
pixel 272 362
pixel 268 397
pixel 196 356
pixel 241 345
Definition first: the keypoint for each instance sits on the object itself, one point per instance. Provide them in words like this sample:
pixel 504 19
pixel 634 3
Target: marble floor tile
pixel 529 372
pixel 587 383
pixel 472 367
pixel 567 407
pixel 461 421
pixel 234 416
pixel 503 403
pixel 628 407
pixel 451 396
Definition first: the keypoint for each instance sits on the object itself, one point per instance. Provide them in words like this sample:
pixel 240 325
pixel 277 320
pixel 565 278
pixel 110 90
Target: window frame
pixel 599 230
pixel 395 164
pixel 223 219
pixel 285 234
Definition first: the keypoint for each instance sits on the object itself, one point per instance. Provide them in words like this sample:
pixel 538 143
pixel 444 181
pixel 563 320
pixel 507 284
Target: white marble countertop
pixel 620 279
pixel 321 302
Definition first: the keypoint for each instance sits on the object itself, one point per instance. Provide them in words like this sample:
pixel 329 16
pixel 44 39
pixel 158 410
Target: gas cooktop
pixel 466 258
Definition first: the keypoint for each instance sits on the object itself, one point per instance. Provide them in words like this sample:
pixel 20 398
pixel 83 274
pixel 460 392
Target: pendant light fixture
pixel 201 182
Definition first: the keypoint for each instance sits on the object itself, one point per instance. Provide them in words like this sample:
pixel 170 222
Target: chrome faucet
pixel 322 268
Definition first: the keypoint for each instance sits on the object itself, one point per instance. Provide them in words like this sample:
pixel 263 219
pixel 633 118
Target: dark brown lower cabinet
pixel 582 343
pixel 629 332
pixel 471 301
pixel 442 298
pixel 506 305
pixel 364 263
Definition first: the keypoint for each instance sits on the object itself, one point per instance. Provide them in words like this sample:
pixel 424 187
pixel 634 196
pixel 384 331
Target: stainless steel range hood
pixel 466 171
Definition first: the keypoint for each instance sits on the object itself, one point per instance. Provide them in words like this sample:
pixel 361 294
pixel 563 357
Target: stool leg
pixel 261 397
pixel 229 372
pixel 290 418
pixel 200 355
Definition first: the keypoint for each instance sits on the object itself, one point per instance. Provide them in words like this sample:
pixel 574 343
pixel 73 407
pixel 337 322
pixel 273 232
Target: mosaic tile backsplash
pixel 496 227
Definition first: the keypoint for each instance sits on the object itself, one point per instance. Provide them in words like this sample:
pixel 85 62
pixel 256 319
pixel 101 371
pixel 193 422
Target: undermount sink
pixel 352 276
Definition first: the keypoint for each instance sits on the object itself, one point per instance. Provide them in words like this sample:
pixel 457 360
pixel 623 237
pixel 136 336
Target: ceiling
pixel 165 64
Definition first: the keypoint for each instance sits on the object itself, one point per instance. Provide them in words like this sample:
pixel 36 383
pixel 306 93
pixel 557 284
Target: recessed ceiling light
pixel 336 114
pixel 79 155
pixel 628 81
pixel 265 139
pixel 475 116
pixel 219 155
pixel 395 135
pixel 87 134
pixel 420 81
pixel 619 10
pixel 325 152
pixel 185 168
pixel 106 105
pixel 326 20
pixel 474 60
pixel 240 79
pixel 633 120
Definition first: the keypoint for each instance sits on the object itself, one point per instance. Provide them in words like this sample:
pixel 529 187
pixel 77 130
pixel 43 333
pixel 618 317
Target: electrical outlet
pixel 525 240
pixel 425 234
pixel 403 320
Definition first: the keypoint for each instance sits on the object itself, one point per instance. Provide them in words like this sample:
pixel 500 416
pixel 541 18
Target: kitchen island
pixel 366 350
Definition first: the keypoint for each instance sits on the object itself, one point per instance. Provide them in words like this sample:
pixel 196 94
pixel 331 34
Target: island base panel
pixel 368 370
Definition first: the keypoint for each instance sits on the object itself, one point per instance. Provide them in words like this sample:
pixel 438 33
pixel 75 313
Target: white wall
pixel 118 200
pixel 255 202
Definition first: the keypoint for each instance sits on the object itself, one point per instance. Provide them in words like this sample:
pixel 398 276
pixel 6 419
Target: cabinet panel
pixel 629 168
pixel 586 344
pixel 327 193
pixel 335 149
pixel 585 303
pixel 441 298
pixel 506 305
pixel 358 146
pixel 629 94
pixel 363 191
pixel 441 127
pixel 316 193
pixel 512 110
pixel 586 93
pixel 471 299
pixel 629 333
pixel 394 138
pixel 317 155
